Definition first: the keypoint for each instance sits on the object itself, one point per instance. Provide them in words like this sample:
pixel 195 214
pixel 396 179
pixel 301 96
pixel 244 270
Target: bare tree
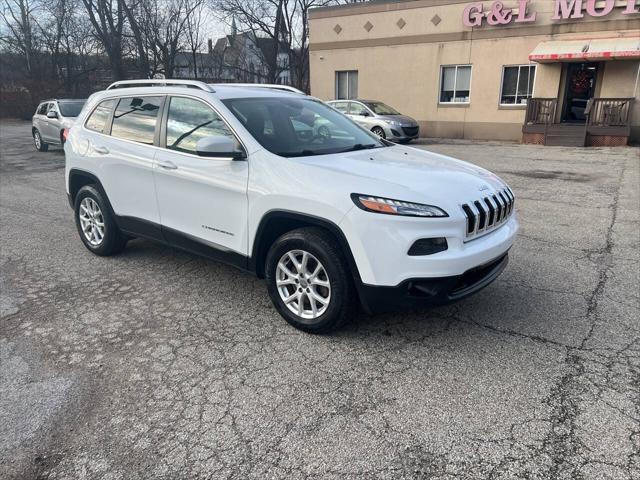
pixel 108 20
pixel 264 19
pixel 300 50
pixel 18 17
pixel 193 31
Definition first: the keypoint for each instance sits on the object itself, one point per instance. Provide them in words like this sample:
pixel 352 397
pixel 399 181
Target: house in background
pixel 238 57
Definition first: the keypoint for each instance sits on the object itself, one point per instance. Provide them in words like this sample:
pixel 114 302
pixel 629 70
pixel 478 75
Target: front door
pixel 580 87
pixel 203 200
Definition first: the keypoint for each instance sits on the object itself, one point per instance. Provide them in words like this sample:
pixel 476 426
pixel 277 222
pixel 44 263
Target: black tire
pixel 113 241
pixel 38 142
pixel 321 245
pixel 379 131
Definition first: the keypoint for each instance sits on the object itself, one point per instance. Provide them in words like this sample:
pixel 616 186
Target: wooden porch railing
pixel 608 112
pixel 541 111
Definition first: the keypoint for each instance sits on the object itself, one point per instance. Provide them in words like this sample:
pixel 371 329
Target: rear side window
pixel 42 109
pixel 135 119
pixel 341 106
pixel 98 119
pixel 190 120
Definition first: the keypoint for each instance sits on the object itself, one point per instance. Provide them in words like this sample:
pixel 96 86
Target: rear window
pixel 135 119
pixel 98 119
pixel 70 109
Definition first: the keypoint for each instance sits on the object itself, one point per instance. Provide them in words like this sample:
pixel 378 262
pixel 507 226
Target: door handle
pixel 101 150
pixel 167 165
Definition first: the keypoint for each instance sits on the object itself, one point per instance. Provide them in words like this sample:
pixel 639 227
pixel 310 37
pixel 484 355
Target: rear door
pixel 202 200
pixel 360 114
pixel 122 133
pixel 51 125
pixel 39 119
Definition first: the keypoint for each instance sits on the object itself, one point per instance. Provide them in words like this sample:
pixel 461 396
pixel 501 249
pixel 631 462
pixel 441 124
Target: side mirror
pixel 52 114
pixel 365 114
pixel 219 146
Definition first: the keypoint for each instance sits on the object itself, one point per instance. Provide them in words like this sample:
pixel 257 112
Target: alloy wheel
pixel 303 284
pixel 91 221
pixel 37 140
pixel 378 131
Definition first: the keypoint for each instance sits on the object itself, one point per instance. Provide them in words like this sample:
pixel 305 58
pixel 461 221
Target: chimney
pixel 210 46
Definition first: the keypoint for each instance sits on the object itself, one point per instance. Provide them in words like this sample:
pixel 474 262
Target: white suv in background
pixel 51 120
pixel 328 216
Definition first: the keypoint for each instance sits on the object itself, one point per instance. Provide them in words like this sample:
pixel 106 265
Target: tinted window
pixel 42 109
pixel 300 127
pixel 100 116
pixel 70 109
pixel 190 120
pixel 135 119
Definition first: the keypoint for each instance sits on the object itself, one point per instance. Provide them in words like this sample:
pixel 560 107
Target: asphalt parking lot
pixel 159 364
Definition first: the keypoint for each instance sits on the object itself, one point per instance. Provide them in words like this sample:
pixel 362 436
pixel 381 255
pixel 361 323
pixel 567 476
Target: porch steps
pixel 565 135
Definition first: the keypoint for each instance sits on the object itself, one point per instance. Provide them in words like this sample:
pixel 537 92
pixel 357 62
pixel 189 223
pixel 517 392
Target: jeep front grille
pixel 486 214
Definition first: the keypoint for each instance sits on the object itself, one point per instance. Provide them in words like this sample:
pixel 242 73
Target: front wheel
pixel 39 143
pixel 96 225
pixel 308 280
pixel 379 131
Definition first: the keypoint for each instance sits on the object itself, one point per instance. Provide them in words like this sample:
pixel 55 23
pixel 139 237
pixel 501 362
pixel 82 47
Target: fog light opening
pixel 428 246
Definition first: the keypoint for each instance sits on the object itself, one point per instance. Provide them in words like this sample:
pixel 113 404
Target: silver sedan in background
pixel 381 119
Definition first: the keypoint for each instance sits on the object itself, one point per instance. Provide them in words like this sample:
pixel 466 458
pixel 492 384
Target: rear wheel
pixel 379 131
pixel 308 280
pixel 39 143
pixel 96 226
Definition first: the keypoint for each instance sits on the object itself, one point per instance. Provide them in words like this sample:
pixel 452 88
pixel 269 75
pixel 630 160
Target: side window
pixel 42 109
pixel 188 121
pixel 342 107
pixel 357 109
pixel 52 107
pixel 98 119
pixel 135 119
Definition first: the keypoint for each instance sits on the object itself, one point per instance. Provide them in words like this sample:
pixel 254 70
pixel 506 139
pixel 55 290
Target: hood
pixel 404 120
pixel 411 174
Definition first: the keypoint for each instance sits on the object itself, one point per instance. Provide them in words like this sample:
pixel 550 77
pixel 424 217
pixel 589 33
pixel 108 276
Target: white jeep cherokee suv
pixel 282 185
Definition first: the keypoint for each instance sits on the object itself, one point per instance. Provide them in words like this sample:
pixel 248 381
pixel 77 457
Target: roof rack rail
pixel 161 83
pixel 272 86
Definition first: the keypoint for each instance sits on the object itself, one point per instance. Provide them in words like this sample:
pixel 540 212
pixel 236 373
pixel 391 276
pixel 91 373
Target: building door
pixel 580 87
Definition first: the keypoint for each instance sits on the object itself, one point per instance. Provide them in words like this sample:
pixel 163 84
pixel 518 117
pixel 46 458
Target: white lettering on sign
pixel 497 14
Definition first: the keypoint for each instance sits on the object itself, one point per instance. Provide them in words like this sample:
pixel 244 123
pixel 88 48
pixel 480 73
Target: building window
pixel 517 84
pixel 346 85
pixel 455 84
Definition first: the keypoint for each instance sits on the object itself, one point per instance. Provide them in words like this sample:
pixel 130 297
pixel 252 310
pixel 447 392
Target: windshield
pixel 380 108
pixel 292 127
pixel 71 109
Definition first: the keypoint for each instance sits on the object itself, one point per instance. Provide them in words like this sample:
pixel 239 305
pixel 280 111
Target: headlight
pixel 396 207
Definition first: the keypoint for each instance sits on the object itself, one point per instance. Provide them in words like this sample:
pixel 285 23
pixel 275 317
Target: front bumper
pixel 380 245
pixel 401 134
pixel 417 293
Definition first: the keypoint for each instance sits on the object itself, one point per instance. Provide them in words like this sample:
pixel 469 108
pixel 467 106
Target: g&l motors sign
pixel 498 14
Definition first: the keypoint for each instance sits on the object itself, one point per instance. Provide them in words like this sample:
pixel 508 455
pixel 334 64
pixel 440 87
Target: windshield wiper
pixel 359 146
pixel 302 153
